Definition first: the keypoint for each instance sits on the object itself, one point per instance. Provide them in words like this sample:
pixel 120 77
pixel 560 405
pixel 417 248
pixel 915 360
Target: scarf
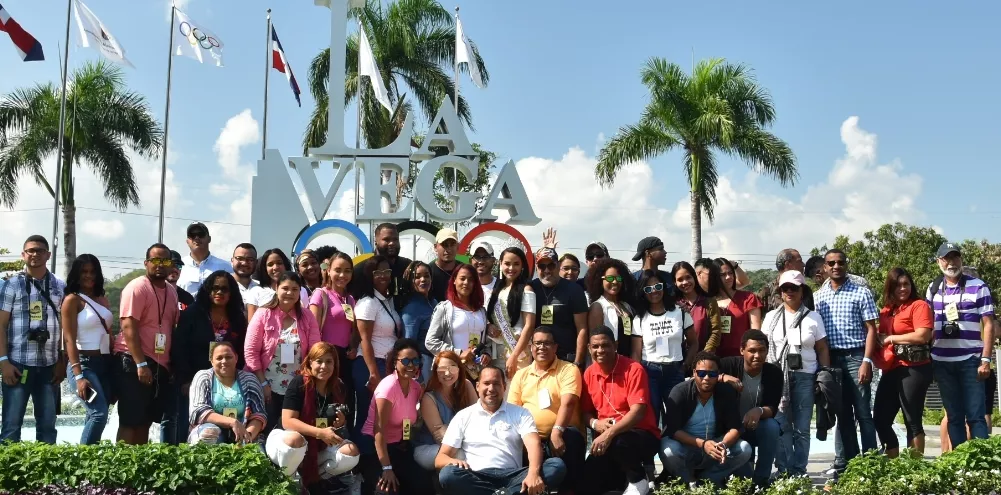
pixel 778 356
pixel 309 469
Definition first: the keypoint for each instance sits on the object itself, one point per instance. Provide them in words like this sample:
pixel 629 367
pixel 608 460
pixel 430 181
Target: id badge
pixel 627 326
pixel 661 345
pixel 952 312
pixel 544 400
pixel 349 312
pixel 286 354
pixel 24 376
pixel 229 412
pixel 406 429
pixel 474 340
pixel 161 343
pixel 546 318
pixel 35 310
pixel 724 323
pixel 322 423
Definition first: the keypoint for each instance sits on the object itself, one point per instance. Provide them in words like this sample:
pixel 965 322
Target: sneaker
pixel 641 487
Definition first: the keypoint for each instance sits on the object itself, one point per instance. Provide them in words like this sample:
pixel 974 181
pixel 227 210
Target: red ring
pixel 499 227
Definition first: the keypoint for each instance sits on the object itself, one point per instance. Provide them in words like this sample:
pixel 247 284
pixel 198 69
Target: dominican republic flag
pixel 280 62
pixel 27 46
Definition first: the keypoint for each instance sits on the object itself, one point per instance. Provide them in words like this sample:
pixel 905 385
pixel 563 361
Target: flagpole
pixel 62 136
pixel 267 74
pixel 166 121
pixel 361 92
pixel 455 172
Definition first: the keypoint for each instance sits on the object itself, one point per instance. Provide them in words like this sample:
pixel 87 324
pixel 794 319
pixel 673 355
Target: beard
pixel 951 271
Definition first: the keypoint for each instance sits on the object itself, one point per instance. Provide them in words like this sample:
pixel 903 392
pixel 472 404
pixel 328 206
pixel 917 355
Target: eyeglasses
pixel 35 251
pixel 543 344
pixel 837 262
pixel 705 373
pixel 409 362
pixel 220 289
pixel 570 268
pixel 244 259
pixel 789 288
pixel 650 289
pixel 382 273
pixel 483 257
pixel 612 278
pixel 164 262
pixel 451 368
pixel 546 266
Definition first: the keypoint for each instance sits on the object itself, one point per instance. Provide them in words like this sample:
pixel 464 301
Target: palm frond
pixel 106 155
pixel 632 143
pixel 22 155
pixel 703 178
pixel 766 154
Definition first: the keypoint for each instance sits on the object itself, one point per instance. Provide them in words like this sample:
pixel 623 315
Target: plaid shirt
pixel 16 300
pixel 845 312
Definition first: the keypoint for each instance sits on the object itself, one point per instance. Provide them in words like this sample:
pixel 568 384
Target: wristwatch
pixel 560 428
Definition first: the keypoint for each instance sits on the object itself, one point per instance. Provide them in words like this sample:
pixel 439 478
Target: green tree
pixel 719 108
pixel 104 122
pixel 13 265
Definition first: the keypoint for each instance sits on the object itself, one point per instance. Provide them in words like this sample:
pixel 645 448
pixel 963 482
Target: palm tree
pixel 104 121
pixel 719 108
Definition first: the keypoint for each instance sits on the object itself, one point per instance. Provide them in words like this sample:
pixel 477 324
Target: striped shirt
pixel 973 302
pixel 845 312
pixel 16 300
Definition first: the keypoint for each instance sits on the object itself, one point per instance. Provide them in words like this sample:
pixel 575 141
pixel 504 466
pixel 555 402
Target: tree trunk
pixel 696 227
pixel 69 237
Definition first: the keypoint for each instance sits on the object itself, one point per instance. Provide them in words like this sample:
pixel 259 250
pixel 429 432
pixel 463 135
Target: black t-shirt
pixel 295 395
pixel 566 299
pixel 439 281
pixel 398 267
pixel 184 299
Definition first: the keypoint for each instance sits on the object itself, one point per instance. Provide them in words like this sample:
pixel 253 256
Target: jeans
pixel 97 371
pixel 363 399
pixel 621 464
pixel 174 426
pixel 794 444
pixel 663 377
pixel 856 404
pixel 575 445
pixel 764 439
pixel 38 386
pixel 963 396
pixel 682 460
pixel 458 481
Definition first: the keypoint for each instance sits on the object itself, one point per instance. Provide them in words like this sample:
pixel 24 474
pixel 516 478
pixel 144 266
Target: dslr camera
pixel 794 359
pixel 950 330
pixel 39 335
pixel 343 409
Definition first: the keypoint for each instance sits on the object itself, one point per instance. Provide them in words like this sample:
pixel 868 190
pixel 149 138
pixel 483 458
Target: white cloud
pixel 103 229
pixel 240 130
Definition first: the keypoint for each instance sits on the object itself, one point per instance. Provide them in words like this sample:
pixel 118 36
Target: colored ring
pixel 499 227
pixel 423 229
pixel 333 226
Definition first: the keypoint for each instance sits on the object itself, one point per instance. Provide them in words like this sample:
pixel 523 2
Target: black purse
pixel 914 353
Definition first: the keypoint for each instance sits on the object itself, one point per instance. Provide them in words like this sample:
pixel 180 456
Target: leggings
pixel 903 387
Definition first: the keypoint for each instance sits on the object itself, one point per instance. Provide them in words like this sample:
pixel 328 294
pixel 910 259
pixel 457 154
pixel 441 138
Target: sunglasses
pixel 593 257
pixel 545 266
pixel 164 262
pixel 612 278
pixel 837 262
pixel 650 289
pixel 36 251
pixel 451 368
pixel 705 373
pixel 483 257
pixel 409 362
pixel 197 235
pixel 382 273
pixel 220 289
pixel 789 288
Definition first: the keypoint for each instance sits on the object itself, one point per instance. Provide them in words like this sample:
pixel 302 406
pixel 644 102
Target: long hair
pixel 76 271
pixel 307 253
pixel 890 287
pixel 234 308
pixel 517 292
pixel 286 276
pixel 398 347
pixel 719 262
pixel 595 289
pixel 334 386
pixel 456 395
pixel 475 297
pixel 671 293
pixel 325 278
pixel 715 280
pixel 262 266
pixel 364 286
pixel 684 265
pixel 409 275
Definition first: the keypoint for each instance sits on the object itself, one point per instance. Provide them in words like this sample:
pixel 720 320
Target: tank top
pixel 90 332
pixel 446 414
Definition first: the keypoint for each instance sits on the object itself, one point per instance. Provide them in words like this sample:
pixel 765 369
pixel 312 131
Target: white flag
pixel 368 67
pixel 464 53
pixel 93 34
pixel 194 40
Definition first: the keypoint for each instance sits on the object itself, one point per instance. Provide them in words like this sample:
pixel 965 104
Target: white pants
pixel 332 462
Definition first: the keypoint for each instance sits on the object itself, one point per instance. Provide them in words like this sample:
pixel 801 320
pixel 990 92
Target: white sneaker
pixel 641 487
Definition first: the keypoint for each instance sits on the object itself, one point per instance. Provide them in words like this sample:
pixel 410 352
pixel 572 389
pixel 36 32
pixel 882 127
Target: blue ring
pixel 335 226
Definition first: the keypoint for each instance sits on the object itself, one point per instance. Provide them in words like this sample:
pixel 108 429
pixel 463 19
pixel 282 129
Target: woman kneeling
pixel 227 405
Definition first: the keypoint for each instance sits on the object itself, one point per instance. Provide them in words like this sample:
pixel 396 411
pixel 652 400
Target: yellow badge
pixel 952 312
pixel 35 310
pixel 474 340
pixel 229 412
pixel 546 318
pixel 724 323
pixel 322 423
pixel 349 312
pixel 160 346
pixel 627 326
pixel 24 376
pixel 406 429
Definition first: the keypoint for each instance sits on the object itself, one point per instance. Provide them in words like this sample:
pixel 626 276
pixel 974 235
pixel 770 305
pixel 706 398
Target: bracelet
pixel 141 364
pixel 387 468
pixel 985 360
pixel 594 421
pixel 74 364
pixel 867 360
pixel 78 377
pixel 4 358
pixel 559 428
pixel 762 410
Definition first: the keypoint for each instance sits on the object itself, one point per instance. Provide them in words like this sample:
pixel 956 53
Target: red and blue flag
pixel 280 63
pixel 27 46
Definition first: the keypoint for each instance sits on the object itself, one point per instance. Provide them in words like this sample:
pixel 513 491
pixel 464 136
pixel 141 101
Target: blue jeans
pixel 856 405
pixel 682 460
pixel 794 444
pixel 963 396
pixel 363 399
pixel 458 481
pixel 174 426
pixel 97 371
pixel 38 386
pixel 663 377
pixel 764 439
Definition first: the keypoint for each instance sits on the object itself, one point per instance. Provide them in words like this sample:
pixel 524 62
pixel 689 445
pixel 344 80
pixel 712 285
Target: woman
pixel 86 327
pixel 277 337
pixel 418 309
pixel 459 323
pixel 904 333
pixel 512 308
pixel 448 392
pixel 308 268
pixel 391 419
pixel 664 336
pixel 333 308
pixel 273 263
pixel 797 344
pixel 227 404
pixel 610 288
pixel 694 300
pixel 313 437
pixel 740 310
pixel 569 267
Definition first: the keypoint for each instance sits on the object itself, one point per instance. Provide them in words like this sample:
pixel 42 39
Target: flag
pixel 464 53
pixel 368 67
pixel 26 45
pixel 196 40
pixel 279 62
pixel 94 34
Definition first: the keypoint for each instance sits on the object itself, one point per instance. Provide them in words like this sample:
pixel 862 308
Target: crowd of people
pixel 400 376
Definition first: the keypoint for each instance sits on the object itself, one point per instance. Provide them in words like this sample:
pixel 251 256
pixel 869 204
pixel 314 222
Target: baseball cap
pixel 791 277
pixel 946 248
pixel 445 234
pixel 484 245
pixel 176 258
pixel 197 227
pixel 546 254
pixel 591 247
pixel 646 243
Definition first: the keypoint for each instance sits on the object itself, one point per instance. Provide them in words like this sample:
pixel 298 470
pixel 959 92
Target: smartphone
pixel 92 394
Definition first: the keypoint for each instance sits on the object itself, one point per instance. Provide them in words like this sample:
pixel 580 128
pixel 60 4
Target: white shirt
pixel 386 320
pixel 194 273
pixel 245 291
pixel 91 334
pixel 490 440
pixel 259 295
pixel 466 323
pixel 810 331
pixel 663 335
pixel 488 289
pixel 611 315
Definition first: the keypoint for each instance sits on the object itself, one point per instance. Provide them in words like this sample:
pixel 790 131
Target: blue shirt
pixel 18 295
pixel 417 318
pixel 845 312
pixel 702 424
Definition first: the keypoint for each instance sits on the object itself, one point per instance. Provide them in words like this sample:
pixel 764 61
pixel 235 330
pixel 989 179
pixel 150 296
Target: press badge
pixel 286 354
pixel 161 343
pixel 547 314
pixel 474 340
pixel 35 310
pixel 406 429
pixel 349 312
pixel 229 412
pixel 627 326
pixel 724 323
pixel 321 423
pixel 544 400
pixel 952 312
pixel 661 345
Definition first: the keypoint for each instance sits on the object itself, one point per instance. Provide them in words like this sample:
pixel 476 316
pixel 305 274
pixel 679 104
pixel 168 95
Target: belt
pixel 847 351
pixel 90 353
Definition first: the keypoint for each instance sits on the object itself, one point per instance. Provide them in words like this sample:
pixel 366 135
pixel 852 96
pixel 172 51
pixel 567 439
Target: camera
pixel 41 336
pixel 950 330
pixel 795 359
pixel 343 409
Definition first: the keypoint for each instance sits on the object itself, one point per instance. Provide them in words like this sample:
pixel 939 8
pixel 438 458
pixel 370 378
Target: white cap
pixel 484 245
pixel 791 277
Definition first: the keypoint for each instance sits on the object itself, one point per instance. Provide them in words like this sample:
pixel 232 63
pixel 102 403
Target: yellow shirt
pixel 529 389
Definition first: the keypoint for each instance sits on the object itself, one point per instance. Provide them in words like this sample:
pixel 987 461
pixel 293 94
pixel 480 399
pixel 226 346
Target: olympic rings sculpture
pixel 196 36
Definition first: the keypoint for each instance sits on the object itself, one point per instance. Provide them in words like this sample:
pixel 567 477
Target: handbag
pixel 914 353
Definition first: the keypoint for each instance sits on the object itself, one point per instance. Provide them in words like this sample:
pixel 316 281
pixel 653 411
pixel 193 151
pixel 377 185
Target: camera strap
pixel 43 289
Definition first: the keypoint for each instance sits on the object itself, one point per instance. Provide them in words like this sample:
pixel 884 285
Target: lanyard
pixel 161 308
pixel 396 325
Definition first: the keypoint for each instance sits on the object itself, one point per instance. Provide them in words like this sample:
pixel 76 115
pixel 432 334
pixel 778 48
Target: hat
pixel 445 234
pixel 197 227
pixel 946 248
pixel 546 254
pixel 596 244
pixel 791 277
pixel 484 245
pixel 644 244
pixel 176 257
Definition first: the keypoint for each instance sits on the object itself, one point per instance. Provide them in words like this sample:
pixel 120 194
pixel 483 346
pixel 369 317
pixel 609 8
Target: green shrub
pixel 159 468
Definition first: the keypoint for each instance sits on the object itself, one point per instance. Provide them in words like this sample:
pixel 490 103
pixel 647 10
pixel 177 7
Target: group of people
pixel 410 377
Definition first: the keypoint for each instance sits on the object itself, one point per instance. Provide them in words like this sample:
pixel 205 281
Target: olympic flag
pixel 93 34
pixel 196 40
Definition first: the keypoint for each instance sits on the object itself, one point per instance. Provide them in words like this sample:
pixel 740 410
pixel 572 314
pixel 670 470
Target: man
pixel 961 354
pixel 30 362
pixel 593 253
pixel 550 389
pixel 446 244
pixel 651 251
pixel 562 306
pixel 616 406
pixel 142 350
pixel 184 298
pixel 816 269
pixel 493 435
pixel 703 433
pixel 200 263
pixel 849 314
pixel 483 261
pixel 770 295
pixel 760 387
pixel 387 244
pixel 244 262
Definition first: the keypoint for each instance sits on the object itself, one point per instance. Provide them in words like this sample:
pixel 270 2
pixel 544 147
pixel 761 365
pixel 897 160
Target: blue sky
pixel 921 77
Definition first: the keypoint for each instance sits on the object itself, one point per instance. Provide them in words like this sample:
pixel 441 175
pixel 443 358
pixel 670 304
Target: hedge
pixel 158 469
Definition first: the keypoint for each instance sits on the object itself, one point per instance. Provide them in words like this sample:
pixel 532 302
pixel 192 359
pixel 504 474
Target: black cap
pixel 176 257
pixel 646 243
pixel 946 248
pixel 197 227
pixel 591 247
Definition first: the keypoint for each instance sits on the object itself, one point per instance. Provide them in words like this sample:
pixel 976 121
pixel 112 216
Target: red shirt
pixel 739 311
pixel 901 320
pixel 609 396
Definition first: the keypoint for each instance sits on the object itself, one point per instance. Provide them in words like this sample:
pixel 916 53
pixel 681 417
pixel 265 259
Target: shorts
pixel 140 405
